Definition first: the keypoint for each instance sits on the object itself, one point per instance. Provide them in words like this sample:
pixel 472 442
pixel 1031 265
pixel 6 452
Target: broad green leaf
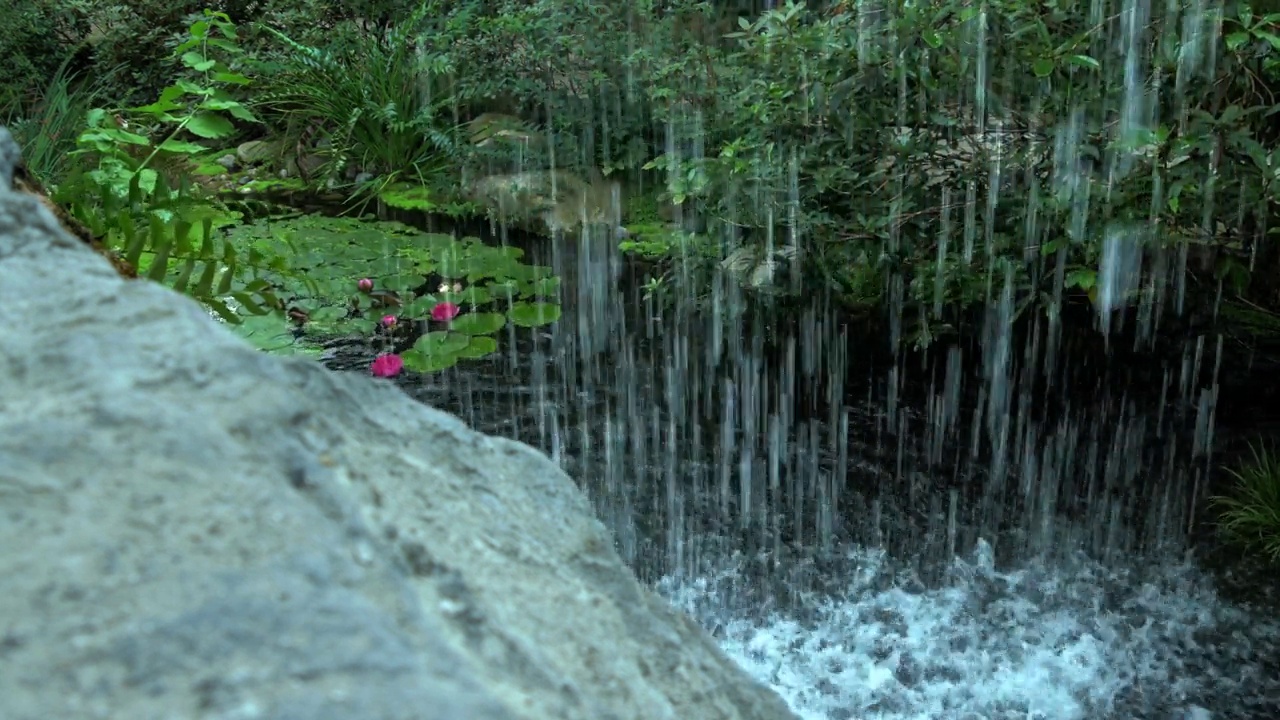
pixel 419 361
pixel 478 323
pixel 197 61
pixel 231 77
pixel 420 306
pixel 480 347
pixel 506 290
pixel 1272 39
pixel 210 126
pixel 1042 67
pixel 442 343
pixel 451 264
pixel 402 282
pixel 475 295
pixel 1084 279
pixel 545 287
pixel 124 136
pixel 180 146
pixel 536 314
pixel 1237 40
pixel 1084 61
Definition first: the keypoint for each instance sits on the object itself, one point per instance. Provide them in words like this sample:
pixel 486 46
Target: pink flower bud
pixel 386 366
pixel 444 312
pixel 365 285
pixel 388 321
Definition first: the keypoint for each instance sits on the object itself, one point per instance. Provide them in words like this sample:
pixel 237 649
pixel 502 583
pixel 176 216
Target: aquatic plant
pixel 440 298
pixel 1250 514
pixel 387 365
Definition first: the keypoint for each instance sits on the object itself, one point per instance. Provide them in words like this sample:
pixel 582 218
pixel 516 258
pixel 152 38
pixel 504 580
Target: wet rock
pixel 192 528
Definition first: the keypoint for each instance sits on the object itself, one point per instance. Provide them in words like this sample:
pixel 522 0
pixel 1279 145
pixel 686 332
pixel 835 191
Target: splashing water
pixel 683 430
pixel 994 532
pixel 1061 642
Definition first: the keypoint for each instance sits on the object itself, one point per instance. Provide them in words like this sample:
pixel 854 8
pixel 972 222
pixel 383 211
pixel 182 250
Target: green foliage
pixel 916 159
pixel 1250 515
pixel 36 38
pixel 45 127
pixel 372 97
pixel 198 106
pixel 408 196
pixel 166 228
pixel 413 272
pixel 133 43
pixel 569 65
pixel 867 143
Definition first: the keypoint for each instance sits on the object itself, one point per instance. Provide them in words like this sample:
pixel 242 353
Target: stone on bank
pixel 194 529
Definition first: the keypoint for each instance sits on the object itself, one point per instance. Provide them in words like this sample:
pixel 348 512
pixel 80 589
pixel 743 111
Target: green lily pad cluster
pixel 465 291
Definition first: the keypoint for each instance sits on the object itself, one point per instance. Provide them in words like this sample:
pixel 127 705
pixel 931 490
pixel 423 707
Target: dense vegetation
pixel 911 161
pixel 857 140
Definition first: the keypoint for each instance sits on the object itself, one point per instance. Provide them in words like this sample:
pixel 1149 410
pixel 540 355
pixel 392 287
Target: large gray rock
pixel 192 529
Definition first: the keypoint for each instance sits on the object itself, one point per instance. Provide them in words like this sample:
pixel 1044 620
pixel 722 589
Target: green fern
pixel 173 237
pixel 370 97
pixel 124 195
pixel 1250 514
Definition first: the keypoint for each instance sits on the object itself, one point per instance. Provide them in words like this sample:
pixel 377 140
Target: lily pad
pixel 421 306
pixel 418 361
pixel 403 282
pixel 545 287
pixel 478 323
pixel 451 264
pixel 273 333
pixel 475 295
pixel 442 343
pixel 479 347
pixel 503 290
pixel 533 314
pixel 324 257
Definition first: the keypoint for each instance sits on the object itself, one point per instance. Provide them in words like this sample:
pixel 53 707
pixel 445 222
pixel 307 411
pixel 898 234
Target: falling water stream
pixel 965 533
pixel 1001 527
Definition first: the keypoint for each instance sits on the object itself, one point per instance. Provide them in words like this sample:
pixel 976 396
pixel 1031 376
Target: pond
pixel 1009 526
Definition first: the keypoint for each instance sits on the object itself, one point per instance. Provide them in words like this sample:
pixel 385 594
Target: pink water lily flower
pixel 445 311
pixel 387 365
pixel 388 321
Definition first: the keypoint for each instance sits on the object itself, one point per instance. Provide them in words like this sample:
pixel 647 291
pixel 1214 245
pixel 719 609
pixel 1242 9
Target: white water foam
pixel 1045 642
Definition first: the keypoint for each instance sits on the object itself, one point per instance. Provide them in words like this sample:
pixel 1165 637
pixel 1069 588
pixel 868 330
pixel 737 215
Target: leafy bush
pixel 36 38
pixel 45 127
pixel 1250 514
pixel 866 143
pixel 374 100
pixel 129 44
pixel 163 226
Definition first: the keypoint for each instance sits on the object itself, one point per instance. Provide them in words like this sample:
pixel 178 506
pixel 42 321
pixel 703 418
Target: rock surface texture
pixel 192 529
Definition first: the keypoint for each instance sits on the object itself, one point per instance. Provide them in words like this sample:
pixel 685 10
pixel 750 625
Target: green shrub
pixel 130 43
pixel 36 37
pixel 371 99
pixel 45 127
pixel 137 194
pixel 1250 513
